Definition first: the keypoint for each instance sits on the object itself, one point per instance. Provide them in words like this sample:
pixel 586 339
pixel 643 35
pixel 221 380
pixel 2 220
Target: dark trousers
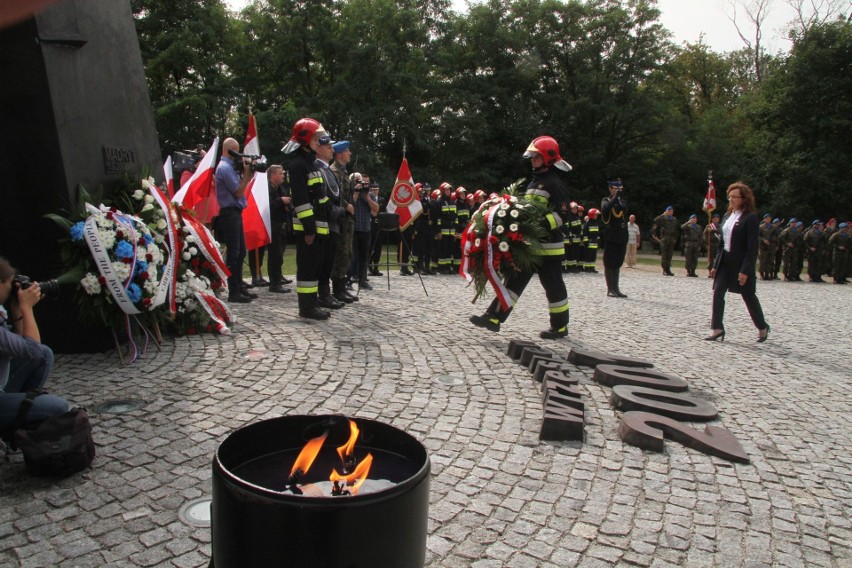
pixel 361 253
pixel 229 228
pixel 276 257
pixel 550 276
pixel 324 288
pixel 666 252
pixel 720 288
pixel 378 243
pixel 613 256
pixel 309 259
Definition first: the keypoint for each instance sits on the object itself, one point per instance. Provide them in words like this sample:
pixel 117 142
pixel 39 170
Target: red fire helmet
pixel 593 213
pixel 548 149
pixel 303 131
pixel 436 194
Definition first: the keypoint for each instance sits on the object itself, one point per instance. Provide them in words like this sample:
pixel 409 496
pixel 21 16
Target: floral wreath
pixel 502 239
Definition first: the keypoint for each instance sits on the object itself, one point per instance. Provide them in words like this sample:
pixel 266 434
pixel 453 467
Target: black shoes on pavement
pixel 315 314
pixel 485 322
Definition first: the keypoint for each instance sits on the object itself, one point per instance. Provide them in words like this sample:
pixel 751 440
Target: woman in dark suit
pixel 733 268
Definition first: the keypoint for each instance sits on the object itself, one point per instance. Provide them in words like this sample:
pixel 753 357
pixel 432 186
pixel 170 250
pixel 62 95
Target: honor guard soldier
pixel 712 234
pixel 615 216
pixel 814 245
pixel 691 244
pixel 667 229
pixel 547 188
pixel 764 247
pixel 840 244
pixel 790 250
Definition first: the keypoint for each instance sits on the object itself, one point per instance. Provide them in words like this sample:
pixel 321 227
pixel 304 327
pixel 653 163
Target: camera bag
pixel 56 447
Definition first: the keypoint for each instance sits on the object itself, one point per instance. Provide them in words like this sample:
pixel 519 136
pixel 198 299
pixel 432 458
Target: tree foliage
pixel 463 94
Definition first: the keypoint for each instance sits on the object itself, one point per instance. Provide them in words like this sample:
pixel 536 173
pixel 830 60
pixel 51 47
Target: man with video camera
pixel 24 361
pixel 232 177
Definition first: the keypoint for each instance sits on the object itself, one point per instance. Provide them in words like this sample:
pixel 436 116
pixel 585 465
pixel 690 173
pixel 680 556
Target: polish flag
pixel 404 200
pixel 170 180
pixel 202 183
pixel 257 225
pixel 710 198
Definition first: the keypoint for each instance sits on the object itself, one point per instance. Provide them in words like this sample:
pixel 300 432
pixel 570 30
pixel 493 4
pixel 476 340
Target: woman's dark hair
pixel 748 205
pixel 6 269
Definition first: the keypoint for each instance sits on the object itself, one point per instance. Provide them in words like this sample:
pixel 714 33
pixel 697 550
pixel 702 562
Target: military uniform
pixel 692 233
pixel 840 244
pixel 343 250
pixel 765 255
pixel 667 227
pixel 423 238
pixel 814 250
pixel 790 247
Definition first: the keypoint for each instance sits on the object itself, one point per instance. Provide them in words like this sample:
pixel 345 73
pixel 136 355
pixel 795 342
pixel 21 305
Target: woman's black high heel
pixel 715 336
pixel 763 334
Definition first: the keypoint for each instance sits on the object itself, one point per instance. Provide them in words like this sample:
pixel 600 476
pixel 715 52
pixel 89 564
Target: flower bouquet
pixel 503 238
pixel 198 271
pixel 121 260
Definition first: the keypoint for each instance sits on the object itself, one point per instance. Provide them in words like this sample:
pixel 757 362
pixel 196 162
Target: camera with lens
pixel 49 288
pixel 256 163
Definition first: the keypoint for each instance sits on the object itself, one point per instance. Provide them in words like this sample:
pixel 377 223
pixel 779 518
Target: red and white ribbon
pixel 217 310
pixel 207 246
pixel 170 272
pixel 104 264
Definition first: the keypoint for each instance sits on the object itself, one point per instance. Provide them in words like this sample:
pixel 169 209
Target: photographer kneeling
pixel 24 362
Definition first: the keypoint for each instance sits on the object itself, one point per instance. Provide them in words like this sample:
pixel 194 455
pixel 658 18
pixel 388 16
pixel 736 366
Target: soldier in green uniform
pixel 692 232
pixel 776 248
pixel 343 249
pixel 667 228
pixel 840 244
pixel 800 245
pixel 789 246
pixel 712 232
pixel 828 230
pixel 814 245
pixel 764 247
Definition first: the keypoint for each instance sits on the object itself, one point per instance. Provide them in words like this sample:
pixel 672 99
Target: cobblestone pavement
pixel 499 497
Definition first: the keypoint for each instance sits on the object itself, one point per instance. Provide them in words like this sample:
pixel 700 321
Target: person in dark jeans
pixel 25 362
pixel 365 208
pixel 230 191
pixel 279 204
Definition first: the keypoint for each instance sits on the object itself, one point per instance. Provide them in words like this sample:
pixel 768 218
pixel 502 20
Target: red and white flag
pixel 170 179
pixel 710 198
pixel 257 225
pixel 404 201
pixel 202 183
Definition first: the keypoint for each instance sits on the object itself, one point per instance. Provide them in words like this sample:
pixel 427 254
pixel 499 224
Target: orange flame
pixel 348 448
pixel 355 479
pixel 307 456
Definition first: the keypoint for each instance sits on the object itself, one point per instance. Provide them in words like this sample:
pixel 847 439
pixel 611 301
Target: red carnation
pixel 149 257
pixel 143 276
pixel 101 280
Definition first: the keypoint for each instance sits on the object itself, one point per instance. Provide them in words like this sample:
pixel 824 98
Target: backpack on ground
pixel 56 447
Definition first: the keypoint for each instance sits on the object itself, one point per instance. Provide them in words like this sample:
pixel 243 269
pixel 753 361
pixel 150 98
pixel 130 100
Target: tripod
pixel 389 223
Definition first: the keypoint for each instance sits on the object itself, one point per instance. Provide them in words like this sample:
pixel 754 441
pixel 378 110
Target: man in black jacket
pixel 279 206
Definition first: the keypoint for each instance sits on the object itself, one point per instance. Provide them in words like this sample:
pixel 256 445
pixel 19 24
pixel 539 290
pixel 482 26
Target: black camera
pixel 49 288
pixel 257 163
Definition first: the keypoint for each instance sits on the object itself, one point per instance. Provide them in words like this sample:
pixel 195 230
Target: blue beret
pixel 615 183
pixel 843 225
pixel 816 222
pixel 669 208
pixel 693 216
pixel 776 220
pixel 341 146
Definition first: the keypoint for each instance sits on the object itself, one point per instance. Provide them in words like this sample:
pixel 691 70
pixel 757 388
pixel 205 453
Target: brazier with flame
pixel 319 491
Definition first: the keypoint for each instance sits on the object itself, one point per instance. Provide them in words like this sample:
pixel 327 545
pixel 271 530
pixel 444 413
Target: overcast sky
pixel 687 19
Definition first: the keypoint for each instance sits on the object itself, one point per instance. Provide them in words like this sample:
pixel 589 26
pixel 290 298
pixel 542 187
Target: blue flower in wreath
pixel 141 266
pixel 134 292
pixel 124 250
pixel 77 231
pixel 148 239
